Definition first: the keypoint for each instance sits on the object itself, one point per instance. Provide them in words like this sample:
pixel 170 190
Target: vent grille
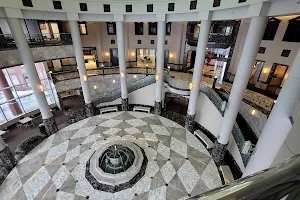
pixel 193 5
pixel 262 50
pixel 149 7
pixel 106 7
pixel 27 3
pixel 285 53
pixel 217 3
pixel 83 6
pixel 128 8
pixel 57 5
pixel 171 7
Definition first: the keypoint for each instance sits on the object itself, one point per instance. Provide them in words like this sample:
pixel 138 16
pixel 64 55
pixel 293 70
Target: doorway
pixel 193 58
pixel 49 29
pixel 166 58
pixel 114 57
pixel 276 76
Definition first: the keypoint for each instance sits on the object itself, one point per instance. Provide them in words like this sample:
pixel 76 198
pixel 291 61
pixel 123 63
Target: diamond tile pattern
pixel 179 165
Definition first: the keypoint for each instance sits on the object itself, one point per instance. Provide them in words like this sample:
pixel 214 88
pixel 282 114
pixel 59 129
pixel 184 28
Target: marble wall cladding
pixel 11 57
pixel 253 97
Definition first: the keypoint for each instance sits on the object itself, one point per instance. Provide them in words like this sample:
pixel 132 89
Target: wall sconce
pixel 134 76
pixel 102 65
pixel 146 65
pixel 191 85
pixel 107 54
pixel 253 112
pixel 265 71
pixel 169 67
pixel 85 78
pixel 157 77
pixel 199 25
pixel 77 68
pixel 171 55
pixel 132 53
pixel 50 72
pixel 41 88
pixel 95 87
pixel 286 76
pixel 122 74
pixel 114 81
pixel 274 101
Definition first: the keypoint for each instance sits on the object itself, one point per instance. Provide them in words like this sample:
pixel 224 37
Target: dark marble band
pixel 157 108
pixel 50 125
pixel 218 153
pixel 125 104
pixel 7 163
pixel 190 122
pixel 112 189
pixel 89 110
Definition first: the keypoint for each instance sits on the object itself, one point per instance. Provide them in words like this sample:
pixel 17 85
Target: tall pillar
pixel 161 32
pixel 27 59
pixel 278 125
pixel 252 44
pixel 9 96
pixel 7 160
pixel 122 64
pixel 126 43
pixel 179 41
pixel 199 63
pixel 99 42
pixel 81 67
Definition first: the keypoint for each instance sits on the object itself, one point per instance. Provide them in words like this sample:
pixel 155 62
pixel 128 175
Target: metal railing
pixel 35 40
pixel 216 38
pixel 276 183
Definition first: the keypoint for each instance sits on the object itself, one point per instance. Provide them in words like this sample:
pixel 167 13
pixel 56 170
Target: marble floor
pixel 178 166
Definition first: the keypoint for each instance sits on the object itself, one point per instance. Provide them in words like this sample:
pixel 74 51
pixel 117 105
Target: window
pixel 27 3
pixel 82 28
pixel 166 42
pixel 262 50
pixel 168 28
pixel 292 31
pixel 57 5
pixel 152 28
pixel 106 7
pixel 285 53
pixel 271 29
pixel 193 5
pixel 111 28
pixel 83 6
pixel 149 7
pixel 242 1
pixel 171 6
pixel 128 8
pixel 112 42
pixel 217 3
pixel 152 41
pixel 139 28
pixel 139 41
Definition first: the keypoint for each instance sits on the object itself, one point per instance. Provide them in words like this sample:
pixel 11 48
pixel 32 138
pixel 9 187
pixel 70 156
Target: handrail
pixel 279 180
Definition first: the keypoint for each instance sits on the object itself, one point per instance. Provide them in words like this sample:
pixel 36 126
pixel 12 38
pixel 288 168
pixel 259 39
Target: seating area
pixel 142 109
pixel 108 109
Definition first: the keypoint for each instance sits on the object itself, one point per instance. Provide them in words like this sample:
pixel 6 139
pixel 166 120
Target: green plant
pixel 29 143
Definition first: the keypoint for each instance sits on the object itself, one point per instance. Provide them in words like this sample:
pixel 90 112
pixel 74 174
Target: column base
pixel 218 153
pixel 50 126
pixel 125 104
pixel 89 110
pixel 190 123
pixel 7 163
pixel 157 108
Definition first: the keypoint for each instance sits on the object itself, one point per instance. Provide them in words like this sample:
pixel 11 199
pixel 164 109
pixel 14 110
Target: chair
pixel 29 124
pixel 19 125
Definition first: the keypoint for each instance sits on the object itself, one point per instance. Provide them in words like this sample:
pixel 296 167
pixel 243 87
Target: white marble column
pixel 179 41
pixel 252 44
pixel 81 67
pixel 122 64
pixel 27 59
pixel 126 40
pixel 99 42
pixel 199 64
pixel 278 125
pixel 161 32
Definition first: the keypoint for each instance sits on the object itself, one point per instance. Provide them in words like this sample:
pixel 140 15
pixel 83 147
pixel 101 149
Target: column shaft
pixel 179 41
pixel 122 64
pixel 161 32
pixel 278 125
pixel 199 63
pixel 252 44
pixel 81 66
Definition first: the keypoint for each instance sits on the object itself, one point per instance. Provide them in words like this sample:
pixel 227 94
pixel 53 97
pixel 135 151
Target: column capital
pixel 206 15
pixel 13 13
pixel 259 9
pixel 73 16
pixel 119 18
pixel 161 17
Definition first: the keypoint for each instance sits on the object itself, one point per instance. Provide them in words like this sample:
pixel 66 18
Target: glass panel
pixel 2 117
pixel 29 103
pixel 49 97
pixel 11 109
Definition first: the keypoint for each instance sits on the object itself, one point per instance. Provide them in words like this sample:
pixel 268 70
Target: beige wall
pixel 90 40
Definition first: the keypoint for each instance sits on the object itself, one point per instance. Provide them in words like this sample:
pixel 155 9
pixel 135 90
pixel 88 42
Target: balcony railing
pixel 36 40
pixel 213 38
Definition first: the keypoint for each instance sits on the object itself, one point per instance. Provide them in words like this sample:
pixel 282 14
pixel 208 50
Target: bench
pixel 108 109
pixel 226 172
pixel 142 108
pixel 209 144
